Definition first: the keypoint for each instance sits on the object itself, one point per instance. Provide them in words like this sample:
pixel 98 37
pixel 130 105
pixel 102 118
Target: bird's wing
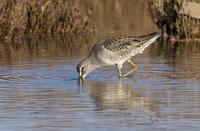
pixel 126 43
pixel 120 44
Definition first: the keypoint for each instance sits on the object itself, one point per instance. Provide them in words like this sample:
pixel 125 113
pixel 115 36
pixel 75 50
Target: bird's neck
pixel 93 62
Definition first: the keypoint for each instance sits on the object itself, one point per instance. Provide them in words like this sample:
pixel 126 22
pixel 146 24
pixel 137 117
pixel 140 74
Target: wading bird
pixel 115 51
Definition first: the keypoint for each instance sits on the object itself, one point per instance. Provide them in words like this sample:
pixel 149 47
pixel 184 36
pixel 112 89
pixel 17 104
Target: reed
pixel 166 14
pixel 18 17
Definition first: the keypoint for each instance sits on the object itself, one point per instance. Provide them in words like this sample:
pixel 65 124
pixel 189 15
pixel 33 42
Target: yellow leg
pixel 133 70
pixel 120 70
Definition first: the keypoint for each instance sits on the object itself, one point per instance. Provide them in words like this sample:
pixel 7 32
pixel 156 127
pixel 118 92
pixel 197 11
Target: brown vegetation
pixel 23 16
pixel 169 15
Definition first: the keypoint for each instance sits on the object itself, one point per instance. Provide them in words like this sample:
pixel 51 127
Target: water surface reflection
pixel 117 96
pixel 40 88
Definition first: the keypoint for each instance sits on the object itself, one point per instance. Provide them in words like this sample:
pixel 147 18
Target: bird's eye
pixel 82 68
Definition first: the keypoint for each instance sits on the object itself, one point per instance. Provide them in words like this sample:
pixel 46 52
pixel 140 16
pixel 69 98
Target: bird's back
pixel 129 42
pixel 118 50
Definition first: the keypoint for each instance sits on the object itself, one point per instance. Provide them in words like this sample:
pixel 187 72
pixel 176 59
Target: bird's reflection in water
pixel 119 97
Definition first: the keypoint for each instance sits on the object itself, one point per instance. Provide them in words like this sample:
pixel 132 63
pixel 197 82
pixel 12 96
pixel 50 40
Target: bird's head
pixel 84 68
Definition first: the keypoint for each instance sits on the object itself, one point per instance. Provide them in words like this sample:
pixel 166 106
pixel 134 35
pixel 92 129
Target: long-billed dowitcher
pixel 115 51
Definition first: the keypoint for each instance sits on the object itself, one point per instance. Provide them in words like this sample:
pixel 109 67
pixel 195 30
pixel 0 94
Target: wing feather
pixel 127 43
pixel 121 44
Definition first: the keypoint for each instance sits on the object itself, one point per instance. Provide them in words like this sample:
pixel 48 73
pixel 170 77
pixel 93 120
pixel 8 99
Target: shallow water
pixel 40 89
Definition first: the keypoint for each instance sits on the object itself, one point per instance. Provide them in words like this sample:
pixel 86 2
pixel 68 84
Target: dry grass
pixel 181 26
pixel 23 16
pixel 189 27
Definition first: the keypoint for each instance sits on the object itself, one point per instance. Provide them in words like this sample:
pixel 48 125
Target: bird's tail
pixel 148 39
pixel 152 36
